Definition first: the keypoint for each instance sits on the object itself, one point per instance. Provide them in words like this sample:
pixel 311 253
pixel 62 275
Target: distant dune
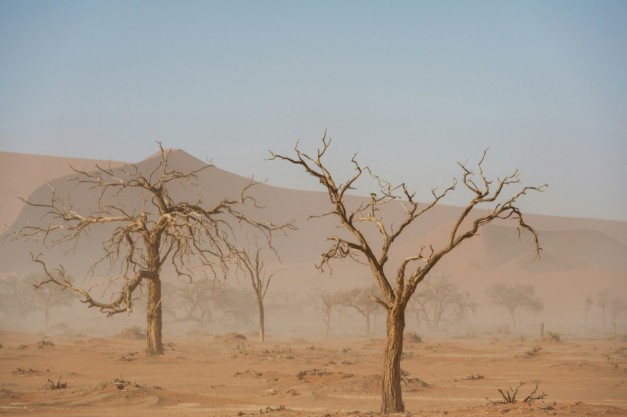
pixel 21 174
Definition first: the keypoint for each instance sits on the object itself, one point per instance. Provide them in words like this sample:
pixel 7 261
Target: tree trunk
pixel 153 318
pixel 327 320
pixel 392 397
pixel 262 327
pixel 46 316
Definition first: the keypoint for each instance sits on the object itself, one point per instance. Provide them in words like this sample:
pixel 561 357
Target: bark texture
pixel 391 393
pixel 154 323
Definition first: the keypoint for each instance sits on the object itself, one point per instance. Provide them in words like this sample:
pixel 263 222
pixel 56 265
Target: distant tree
pixel 603 301
pixel 440 301
pixel 361 300
pixel 588 304
pixel 367 237
pixel 326 302
pixel 514 297
pixel 618 307
pixel 142 239
pixel 251 262
pixel 17 297
pixel 235 306
pixel 20 295
pixel 191 301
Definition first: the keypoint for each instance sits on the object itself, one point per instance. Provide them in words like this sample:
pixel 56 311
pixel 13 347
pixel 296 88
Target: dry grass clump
pixel 56 385
pixel 133 332
pixel 509 396
pixel 413 337
pixel 552 337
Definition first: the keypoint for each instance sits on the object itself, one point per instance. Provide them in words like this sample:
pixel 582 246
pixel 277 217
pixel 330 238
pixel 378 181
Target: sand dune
pixel 21 174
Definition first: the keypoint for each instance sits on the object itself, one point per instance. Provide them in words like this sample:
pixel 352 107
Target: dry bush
pixel 56 385
pixel 534 351
pixel 509 395
pixel 23 371
pixel 552 337
pixel 473 377
pixel 133 332
pixel 44 344
pixel 413 337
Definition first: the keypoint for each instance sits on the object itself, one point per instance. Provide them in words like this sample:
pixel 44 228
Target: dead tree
pixel 253 266
pixel 191 301
pixel 617 308
pixel 603 302
pixel 397 285
pixel 143 238
pixel 440 301
pixel 329 301
pixel 514 297
pixel 19 295
pixel 587 305
pixel 360 299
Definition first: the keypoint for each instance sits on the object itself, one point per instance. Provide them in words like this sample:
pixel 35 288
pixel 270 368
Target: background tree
pixel 191 301
pixel 588 302
pixel 603 301
pixel 253 266
pixel 618 307
pixel 360 220
pixel 21 295
pixel 440 301
pixel 143 238
pixel 360 300
pixel 17 297
pixel 514 297
pixel 235 306
pixel 326 303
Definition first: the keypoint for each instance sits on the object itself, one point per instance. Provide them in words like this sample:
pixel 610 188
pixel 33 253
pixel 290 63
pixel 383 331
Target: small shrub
pixel 474 377
pixel 413 337
pixel 44 343
pixel 56 385
pixel 133 332
pixel 509 395
pixel 552 337
pixel 534 351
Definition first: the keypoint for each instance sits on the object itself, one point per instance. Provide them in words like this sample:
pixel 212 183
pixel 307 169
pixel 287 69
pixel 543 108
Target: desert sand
pixel 233 375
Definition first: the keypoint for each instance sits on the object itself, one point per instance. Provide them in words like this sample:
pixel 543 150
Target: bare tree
pixel 253 266
pixel 603 301
pixel 360 299
pixel 19 295
pixel 327 302
pixel 144 237
pixel 514 297
pixel 588 304
pixel 396 291
pixel 190 301
pixel 440 301
pixel 618 306
pixel 234 305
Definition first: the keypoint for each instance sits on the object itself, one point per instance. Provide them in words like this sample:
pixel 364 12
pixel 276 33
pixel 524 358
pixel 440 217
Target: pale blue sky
pixel 412 86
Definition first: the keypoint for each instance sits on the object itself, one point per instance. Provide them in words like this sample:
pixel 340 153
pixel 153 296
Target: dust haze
pixel 324 337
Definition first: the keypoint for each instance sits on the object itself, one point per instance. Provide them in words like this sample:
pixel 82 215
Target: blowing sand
pixel 233 375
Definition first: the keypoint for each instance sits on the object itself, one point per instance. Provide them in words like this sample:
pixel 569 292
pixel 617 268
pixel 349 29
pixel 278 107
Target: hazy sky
pixel 412 86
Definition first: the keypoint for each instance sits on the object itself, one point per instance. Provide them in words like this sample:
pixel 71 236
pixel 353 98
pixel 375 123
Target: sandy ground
pixel 228 375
